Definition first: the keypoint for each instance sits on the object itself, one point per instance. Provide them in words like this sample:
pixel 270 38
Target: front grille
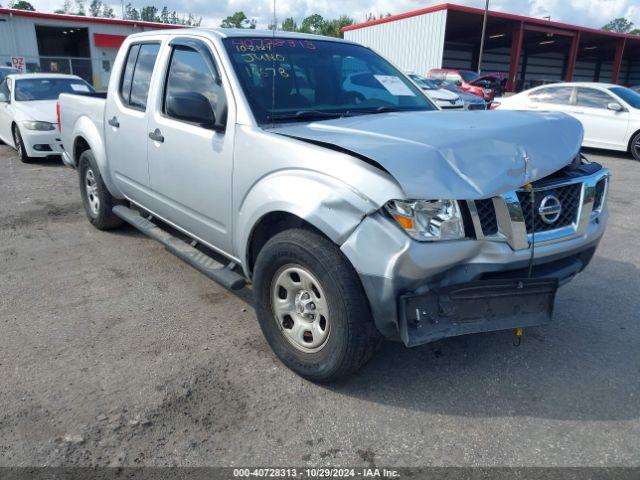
pixel 487 216
pixel 599 198
pixel 569 196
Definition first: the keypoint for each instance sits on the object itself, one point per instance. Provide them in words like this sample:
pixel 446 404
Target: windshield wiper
pixel 303 115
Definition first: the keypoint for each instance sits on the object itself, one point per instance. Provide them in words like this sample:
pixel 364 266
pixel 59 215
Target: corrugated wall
pixel 412 44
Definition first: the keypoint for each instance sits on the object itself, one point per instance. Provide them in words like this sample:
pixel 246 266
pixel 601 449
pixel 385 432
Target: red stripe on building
pixel 79 18
pixel 103 40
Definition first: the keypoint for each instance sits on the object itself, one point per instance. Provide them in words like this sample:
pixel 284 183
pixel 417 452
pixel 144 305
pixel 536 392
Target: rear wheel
pixel 634 146
pixel 20 148
pixel 311 306
pixel 96 199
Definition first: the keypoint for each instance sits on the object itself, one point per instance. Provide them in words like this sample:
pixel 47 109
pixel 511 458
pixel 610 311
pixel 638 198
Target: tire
pixel 634 146
pixel 96 199
pixel 311 278
pixel 20 148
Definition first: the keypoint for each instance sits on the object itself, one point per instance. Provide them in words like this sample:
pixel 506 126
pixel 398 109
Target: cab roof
pixel 221 33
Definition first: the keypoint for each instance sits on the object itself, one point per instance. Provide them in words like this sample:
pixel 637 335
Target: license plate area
pixel 475 307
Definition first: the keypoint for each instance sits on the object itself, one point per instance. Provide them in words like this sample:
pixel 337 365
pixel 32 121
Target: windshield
pixel 628 95
pixel 468 76
pixel 32 89
pixel 424 82
pixel 289 79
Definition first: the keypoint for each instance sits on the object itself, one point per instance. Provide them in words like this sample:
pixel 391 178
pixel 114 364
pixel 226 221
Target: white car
pixel 610 114
pixel 28 119
pixel 445 99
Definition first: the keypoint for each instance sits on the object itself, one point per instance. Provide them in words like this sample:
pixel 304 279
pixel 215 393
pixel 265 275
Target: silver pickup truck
pixel 314 169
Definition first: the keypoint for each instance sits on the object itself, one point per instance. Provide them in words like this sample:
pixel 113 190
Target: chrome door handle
pixel 156 135
pixel 114 122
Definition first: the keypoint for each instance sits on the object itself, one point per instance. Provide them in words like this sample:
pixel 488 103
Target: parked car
pixel 4 71
pixel 28 119
pixel 470 101
pixel 445 99
pixel 493 81
pixel 463 79
pixel 609 113
pixel 355 217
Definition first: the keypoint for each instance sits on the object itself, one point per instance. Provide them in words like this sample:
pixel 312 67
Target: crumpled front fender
pixel 328 204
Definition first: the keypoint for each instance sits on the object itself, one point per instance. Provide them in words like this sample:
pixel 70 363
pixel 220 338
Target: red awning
pixel 103 40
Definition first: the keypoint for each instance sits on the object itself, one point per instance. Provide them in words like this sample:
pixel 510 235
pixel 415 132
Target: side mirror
pixel 192 107
pixel 3 98
pixel 615 106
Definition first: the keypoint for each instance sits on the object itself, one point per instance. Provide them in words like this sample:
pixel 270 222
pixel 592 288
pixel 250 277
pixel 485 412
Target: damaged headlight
pixel 428 220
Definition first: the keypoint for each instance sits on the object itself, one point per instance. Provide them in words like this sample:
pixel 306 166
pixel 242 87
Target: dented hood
pixel 459 155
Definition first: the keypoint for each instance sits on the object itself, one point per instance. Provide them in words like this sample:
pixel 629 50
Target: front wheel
pixel 96 199
pixel 20 148
pixel 634 146
pixel 311 306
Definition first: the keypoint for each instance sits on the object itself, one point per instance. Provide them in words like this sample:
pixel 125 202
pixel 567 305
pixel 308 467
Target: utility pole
pixel 122 7
pixel 484 31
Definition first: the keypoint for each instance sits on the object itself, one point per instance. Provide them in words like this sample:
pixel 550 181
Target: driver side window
pixel 190 85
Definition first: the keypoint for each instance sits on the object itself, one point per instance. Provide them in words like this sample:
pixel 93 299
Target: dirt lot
pixel 113 352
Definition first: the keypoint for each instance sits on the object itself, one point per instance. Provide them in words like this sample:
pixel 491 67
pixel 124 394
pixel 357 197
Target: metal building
pixel 529 51
pixel 46 42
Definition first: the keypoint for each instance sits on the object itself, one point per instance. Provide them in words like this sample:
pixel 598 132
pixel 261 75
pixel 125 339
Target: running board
pixel 222 274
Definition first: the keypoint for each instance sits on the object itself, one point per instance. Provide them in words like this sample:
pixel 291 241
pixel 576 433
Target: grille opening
pixel 599 198
pixel 487 216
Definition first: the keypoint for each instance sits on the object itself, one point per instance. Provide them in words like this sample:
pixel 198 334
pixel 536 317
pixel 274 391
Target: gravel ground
pixel 114 352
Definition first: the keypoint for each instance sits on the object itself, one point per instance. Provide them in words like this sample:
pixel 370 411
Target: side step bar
pixel 224 275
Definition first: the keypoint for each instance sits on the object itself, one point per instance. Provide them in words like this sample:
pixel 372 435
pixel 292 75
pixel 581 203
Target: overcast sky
pixel 592 13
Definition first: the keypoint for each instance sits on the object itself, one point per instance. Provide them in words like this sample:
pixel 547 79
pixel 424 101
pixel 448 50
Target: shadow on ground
pixel 583 366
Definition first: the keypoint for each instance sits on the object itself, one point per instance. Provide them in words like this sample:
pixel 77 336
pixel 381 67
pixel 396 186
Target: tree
pixel 22 5
pixel 164 16
pixel 95 8
pixel 238 20
pixel 80 8
pixel 66 8
pixel 289 25
pixel 312 24
pixel 107 12
pixel 131 13
pixel 333 28
pixel 149 14
pixel 620 25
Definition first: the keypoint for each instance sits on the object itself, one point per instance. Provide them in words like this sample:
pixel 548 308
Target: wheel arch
pixel 293 199
pixel 633 135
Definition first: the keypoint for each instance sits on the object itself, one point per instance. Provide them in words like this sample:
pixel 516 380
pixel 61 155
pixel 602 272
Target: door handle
pixel 114 122
pixel 156 135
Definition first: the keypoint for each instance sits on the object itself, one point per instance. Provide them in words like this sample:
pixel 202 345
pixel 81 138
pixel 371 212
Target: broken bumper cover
pixel 475 307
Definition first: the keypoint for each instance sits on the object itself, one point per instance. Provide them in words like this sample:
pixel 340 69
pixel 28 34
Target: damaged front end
pixel 504 274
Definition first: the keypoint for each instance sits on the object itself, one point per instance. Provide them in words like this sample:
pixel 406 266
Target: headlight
pixel 42 126
pixel 428 220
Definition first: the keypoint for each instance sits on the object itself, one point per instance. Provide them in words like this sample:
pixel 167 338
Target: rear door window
pixel 136 76
pixel 592 98
pixel 554 95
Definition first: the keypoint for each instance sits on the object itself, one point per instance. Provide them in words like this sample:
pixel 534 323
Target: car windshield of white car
pixel 628 95
pixel 32 89
pixel 286 79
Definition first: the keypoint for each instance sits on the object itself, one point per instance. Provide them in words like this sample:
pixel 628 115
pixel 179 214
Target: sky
pixel 590 13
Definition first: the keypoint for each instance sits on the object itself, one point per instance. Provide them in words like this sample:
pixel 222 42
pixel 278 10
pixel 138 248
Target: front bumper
pixel 391 265
pixel 41 143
